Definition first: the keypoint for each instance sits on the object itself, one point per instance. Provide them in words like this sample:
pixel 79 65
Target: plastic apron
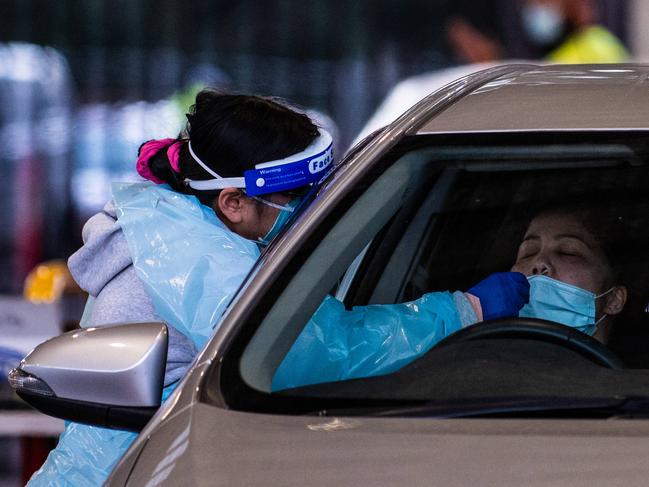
pixel 191 266
pixel 338 344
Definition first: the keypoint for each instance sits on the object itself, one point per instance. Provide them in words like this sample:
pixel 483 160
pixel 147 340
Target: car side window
pixel 437 220
pixel 327 265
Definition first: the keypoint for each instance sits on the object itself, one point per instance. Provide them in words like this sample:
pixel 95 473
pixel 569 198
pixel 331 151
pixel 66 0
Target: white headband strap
pixel 321 143
pixel 209 184
pixel 201 163
pixel 212 184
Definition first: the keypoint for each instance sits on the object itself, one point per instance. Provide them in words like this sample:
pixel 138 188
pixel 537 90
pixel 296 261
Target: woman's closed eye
pixel 524 256
pixel 571 250
pixel 569 254
pixel 527 250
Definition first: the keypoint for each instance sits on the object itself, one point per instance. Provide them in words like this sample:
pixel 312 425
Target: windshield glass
pixel 485 270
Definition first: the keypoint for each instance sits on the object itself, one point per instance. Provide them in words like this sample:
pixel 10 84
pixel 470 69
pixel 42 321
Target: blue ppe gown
pixel 191 266
pixel 338 344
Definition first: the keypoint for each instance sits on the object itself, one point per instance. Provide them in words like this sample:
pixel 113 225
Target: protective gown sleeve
pixel 338 344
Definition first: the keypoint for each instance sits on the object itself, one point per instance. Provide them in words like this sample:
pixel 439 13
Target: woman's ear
pixel 615 300
pixel 229 205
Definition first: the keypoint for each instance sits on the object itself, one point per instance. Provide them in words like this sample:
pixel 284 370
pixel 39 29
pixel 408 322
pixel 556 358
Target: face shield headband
pixel 301 169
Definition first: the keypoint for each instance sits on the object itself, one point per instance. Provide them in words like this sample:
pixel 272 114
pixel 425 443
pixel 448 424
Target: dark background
pixel 120 57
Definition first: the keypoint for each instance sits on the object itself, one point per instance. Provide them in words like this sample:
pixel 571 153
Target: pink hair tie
pixel 173 154
pixel 152 147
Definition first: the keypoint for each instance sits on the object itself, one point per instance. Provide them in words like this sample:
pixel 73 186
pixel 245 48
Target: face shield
pixel 279 176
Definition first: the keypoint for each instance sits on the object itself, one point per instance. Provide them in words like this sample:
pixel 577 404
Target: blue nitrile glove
pixel 502 294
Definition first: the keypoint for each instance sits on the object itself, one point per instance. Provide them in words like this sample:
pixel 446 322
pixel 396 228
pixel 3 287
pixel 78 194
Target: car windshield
pixel 377 312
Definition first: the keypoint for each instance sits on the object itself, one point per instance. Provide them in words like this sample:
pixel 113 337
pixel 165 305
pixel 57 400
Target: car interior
pixel 441 213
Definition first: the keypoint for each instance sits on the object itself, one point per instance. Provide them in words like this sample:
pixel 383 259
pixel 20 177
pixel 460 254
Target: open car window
pixel 439 218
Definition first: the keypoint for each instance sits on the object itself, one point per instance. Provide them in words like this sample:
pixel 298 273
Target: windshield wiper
pixel 597 407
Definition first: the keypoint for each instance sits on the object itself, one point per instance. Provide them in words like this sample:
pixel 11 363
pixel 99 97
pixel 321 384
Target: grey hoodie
pixel 103 268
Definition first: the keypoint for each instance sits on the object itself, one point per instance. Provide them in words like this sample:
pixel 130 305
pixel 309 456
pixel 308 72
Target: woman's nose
pixel 541 267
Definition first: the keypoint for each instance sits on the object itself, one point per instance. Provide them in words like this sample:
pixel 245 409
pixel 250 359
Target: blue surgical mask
pixel 285 212
pixel 544 24
pixel 564 303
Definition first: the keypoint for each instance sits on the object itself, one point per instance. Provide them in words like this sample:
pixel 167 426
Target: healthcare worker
pixel 177 248
pixel 556 31
pixel 566 31
pixel 563 273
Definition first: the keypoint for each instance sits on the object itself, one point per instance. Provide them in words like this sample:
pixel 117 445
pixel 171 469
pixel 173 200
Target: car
pixel 434 201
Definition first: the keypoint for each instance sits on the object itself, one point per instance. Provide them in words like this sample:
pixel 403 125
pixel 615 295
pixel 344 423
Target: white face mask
pixel 544 24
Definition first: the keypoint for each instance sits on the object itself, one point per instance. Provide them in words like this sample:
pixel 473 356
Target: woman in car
pixel 177 248
pixel 566 256
pixel 563 273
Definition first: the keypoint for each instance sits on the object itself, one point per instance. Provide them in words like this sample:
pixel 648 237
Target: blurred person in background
pixel 560 31
pixel 176 248
pixel 555 31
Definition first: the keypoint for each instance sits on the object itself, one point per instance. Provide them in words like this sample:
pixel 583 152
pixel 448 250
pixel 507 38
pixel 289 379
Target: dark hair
pixel 231 133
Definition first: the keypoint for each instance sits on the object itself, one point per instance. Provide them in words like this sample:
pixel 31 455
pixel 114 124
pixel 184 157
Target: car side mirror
pixel 110 376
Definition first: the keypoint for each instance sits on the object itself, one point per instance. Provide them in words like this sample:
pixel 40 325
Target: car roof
pixel 548 98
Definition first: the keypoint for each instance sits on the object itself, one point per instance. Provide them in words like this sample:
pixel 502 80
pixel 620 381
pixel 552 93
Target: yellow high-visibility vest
pixel 593 44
